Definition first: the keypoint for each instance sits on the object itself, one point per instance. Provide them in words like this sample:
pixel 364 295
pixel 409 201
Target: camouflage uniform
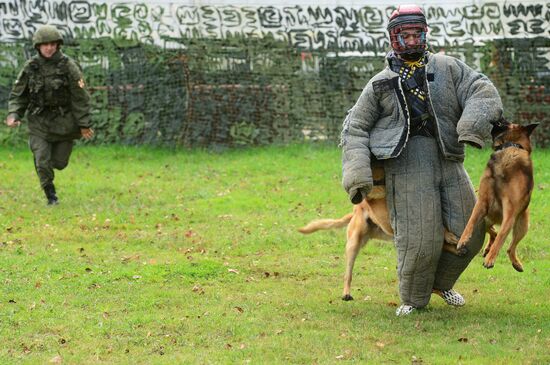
pixel 50 92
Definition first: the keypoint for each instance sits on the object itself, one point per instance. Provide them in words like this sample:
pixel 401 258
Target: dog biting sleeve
pixel 480 102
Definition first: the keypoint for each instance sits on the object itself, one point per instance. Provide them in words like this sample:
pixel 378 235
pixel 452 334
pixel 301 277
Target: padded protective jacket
pixel 463 102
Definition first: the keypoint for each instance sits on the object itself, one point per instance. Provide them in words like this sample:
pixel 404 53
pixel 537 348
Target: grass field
pixel 161 256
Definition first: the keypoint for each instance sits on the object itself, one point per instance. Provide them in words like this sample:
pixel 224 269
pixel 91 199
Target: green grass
pixel 160 256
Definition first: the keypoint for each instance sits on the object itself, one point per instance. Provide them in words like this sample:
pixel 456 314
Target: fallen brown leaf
pixel 56 360
pixel 198 289
pixel 134 257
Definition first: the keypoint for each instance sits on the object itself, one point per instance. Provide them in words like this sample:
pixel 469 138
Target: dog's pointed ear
pixel 529 128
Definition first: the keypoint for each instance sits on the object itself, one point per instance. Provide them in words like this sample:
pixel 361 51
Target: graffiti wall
pixel 205 73
pixel 343 27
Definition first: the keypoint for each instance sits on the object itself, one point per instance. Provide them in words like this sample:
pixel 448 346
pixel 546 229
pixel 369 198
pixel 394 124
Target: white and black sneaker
pixel 451 297
pixel 404 310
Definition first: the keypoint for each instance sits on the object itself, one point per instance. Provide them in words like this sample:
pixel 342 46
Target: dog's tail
pixel 319 224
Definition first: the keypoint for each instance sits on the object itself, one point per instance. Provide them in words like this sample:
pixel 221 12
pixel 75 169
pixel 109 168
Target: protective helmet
pixel 46 34
pixel 403 18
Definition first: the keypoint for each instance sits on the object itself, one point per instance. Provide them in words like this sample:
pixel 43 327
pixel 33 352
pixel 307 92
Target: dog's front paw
pixel 450 238
pixel 347 297
pixel 488 264
pixel 461 250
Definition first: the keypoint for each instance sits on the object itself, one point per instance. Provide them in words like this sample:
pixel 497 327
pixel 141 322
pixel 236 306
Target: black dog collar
pixel 508 144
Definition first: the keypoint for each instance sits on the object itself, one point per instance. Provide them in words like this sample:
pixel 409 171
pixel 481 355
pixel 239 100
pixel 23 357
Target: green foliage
pixel 106 123
pixel 134 126
pixel 199 95
pixel 518 69
pixel 185 256
pixel 244 133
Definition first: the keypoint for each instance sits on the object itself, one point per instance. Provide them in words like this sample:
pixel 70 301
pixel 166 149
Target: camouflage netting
pixel 249 91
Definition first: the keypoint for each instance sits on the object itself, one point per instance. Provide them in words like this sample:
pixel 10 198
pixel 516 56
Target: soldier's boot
pixel 49 190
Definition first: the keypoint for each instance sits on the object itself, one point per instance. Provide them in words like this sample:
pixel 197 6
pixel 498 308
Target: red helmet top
pixel 407 19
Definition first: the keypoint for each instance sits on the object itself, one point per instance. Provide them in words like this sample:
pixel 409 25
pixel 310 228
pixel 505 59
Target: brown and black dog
pixel 370 220
pixel 504 191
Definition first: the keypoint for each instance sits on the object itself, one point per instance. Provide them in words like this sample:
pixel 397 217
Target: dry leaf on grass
pixel 56 360
pixel 134 257
pixel 198 289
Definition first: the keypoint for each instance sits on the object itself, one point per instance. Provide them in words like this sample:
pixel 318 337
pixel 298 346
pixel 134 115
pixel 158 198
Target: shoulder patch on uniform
pixel 81 83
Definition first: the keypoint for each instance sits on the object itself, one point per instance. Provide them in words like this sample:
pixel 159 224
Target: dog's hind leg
pixel 357 230
pixel 479 211
pixel 520 230
pixel 492 236
pixel 353 246
pixel 505 228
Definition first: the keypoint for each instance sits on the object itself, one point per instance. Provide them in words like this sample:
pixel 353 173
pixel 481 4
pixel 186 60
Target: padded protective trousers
pixel 425 194
pixel 49 155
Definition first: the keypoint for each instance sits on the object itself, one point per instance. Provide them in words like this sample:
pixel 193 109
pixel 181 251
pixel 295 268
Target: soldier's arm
pixel 80 98
pixel 19 99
